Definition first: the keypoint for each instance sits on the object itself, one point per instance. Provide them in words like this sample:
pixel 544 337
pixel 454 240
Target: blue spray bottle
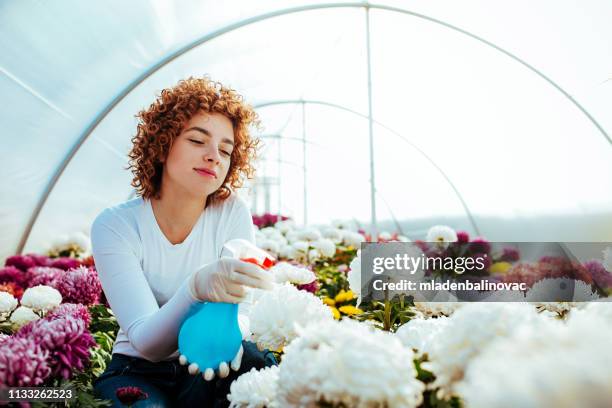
pixel 210 336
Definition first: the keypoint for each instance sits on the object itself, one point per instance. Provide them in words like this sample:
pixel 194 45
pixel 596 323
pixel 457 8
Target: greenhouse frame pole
pixel 373 226
pixel 279 175
pixel 243 23
pixel 304 162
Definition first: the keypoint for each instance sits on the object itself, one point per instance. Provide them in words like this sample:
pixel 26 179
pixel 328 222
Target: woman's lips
pixel 206 173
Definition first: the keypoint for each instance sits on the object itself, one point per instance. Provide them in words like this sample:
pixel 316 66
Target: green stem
pixel 387 319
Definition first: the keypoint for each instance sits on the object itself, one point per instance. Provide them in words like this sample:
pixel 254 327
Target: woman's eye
pixel 195 141
pixel 225 153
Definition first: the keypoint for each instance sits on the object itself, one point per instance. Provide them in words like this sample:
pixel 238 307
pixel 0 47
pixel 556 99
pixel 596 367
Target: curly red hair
pixel 165 119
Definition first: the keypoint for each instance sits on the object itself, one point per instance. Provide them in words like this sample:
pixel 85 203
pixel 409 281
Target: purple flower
pixel 510 255
pixel 79 285
pixel 43 275
pixel 480 246
pixel 462 237
pixel 130 395
pixel 65 338
pixel 75 310
pixel 4 337
pixel 311 287
pixel 23 363
pixel 602 278
pixel 22 262
pixel 65 263
pixel 12 274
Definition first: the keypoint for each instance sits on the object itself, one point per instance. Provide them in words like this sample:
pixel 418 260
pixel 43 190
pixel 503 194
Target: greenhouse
pixel 467 131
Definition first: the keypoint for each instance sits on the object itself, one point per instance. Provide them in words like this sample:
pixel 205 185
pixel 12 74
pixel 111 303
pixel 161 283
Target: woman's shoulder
pixel 120 216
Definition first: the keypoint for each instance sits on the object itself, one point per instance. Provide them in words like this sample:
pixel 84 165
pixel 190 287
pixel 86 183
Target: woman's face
pixel 199 158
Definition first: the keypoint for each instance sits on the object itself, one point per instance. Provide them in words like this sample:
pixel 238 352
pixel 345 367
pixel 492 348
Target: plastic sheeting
pixel 459 122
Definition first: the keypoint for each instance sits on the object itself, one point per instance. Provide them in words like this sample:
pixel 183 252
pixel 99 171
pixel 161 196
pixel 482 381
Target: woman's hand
pixel 224 280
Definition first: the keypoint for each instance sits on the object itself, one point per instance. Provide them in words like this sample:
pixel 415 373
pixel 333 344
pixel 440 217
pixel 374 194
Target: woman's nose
pixel 212 154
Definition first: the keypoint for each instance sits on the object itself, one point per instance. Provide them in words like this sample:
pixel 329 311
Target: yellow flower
pixel 280 349
pixel 344 296
pixel 335 312
pixel 350 310
pixel 500 267
pixel 329 301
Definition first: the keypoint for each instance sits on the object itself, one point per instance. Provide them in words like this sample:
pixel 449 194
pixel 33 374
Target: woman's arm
pixel 151 330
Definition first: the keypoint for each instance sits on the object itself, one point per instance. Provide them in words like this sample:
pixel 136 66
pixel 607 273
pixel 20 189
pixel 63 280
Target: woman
pixel 159 254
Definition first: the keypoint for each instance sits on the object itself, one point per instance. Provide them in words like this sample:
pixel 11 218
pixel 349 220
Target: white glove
pixel 224 280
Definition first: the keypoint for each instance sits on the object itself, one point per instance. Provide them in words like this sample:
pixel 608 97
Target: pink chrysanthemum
pixel 65 338
pixel 40 260
pixel 463 237
pixel 75 310
pixel 4 337
pixel 13 274
pixel 602 278
pixel 79 285
pixel 510 255
pixel 311 287
pixel 65 263
pixel 22 262
pixel 43 275
pixel 130 395
pixel 480 246
pixel 23 363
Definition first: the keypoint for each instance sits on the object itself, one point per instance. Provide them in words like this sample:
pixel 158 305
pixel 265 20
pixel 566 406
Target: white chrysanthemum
pixel 348 225
pixel 8 303
pixel 470 329
pixel 254 389
pixel 285 272
pixel 309 234
pixel 287 252
pixel 301 246
pixel 420 334
pixel 435 309
pixel 269 232
pixel 314 255
pixel 442 235
pixel 41 298
pixel 607 259
pixel 552 364
pixel 23 315
pixel 348 363
pixel 544 292
pixel 300 251
pixel 285 226
pixel 354 239
pixel 270 245
pixel 354 275
pixel 333 234
pixel 292 236
pixel 275 313
pixel 64 241
pixel 601 308
pixel 325 246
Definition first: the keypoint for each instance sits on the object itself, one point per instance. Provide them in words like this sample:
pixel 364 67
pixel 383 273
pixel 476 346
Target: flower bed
pixel 333 350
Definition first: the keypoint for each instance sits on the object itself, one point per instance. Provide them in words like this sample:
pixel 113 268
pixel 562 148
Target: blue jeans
pixel 169 384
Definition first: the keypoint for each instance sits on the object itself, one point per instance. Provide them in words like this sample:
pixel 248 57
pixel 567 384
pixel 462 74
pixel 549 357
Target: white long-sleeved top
pixel 145 277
